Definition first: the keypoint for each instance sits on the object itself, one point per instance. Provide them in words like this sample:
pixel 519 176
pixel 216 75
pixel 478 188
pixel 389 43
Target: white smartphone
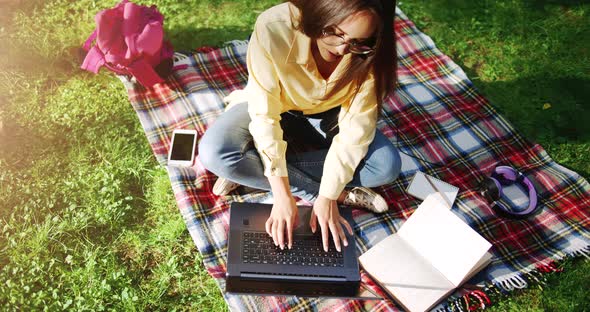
pixel 182 148
pixel 423 185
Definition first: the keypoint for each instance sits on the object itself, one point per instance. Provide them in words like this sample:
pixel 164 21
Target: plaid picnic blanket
pixel 442 126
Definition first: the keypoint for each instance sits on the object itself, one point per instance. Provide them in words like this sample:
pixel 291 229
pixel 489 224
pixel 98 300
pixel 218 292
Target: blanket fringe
pixel 579 249
pixel 516 281
pixel 480 299
pixel 582 253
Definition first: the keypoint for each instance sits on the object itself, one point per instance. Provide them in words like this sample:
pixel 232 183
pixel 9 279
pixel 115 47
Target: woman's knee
pixel 210 153
pixel 222 154
pixel 386 162
pixel 225 141
pixel 389 164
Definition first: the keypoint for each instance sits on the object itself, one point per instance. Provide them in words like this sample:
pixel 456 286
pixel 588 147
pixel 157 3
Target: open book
pixel 433 253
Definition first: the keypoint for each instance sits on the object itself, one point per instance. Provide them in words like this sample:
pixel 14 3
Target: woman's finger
pixel 313 222
pixel 325 235
pixel 346 225
pixel 342 235
pixel 289 234
pixel 281 234
pixel 335 236
pixel 275 226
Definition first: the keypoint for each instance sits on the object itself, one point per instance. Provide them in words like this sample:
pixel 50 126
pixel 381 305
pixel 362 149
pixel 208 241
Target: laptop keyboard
pixel 307 250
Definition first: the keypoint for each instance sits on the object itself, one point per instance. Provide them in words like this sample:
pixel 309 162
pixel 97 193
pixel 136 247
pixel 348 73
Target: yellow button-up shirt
pixel 283 76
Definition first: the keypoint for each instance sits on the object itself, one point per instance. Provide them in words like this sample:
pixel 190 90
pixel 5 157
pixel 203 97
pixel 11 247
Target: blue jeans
pixel 227 150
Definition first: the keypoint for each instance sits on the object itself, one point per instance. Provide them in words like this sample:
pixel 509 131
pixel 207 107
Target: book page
pixel 406 276
pixel 485 260
pixel 444 240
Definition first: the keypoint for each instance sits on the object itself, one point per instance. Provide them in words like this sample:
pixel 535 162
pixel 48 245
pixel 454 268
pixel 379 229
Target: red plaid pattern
pixel 442 126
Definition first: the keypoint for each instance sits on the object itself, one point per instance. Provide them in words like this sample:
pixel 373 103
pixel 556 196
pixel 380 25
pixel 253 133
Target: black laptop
pixel 256 266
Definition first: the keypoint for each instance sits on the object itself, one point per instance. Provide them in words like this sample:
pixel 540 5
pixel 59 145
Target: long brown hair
pixel 319 14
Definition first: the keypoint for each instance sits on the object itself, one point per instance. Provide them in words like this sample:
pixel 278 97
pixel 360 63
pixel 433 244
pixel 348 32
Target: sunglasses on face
pixel 330 36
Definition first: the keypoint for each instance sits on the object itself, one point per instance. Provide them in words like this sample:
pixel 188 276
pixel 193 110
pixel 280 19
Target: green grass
pixel 87 217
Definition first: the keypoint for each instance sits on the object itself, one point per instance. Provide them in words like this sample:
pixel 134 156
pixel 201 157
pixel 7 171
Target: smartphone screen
pixel 182 146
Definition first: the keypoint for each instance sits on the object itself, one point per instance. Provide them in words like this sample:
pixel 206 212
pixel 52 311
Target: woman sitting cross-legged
pixel 318 72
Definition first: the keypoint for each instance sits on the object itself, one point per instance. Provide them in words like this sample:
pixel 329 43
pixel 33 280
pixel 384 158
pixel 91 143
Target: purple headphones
pixel 491 189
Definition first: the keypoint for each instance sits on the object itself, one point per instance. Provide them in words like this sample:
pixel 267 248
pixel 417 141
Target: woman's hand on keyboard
pixel 283 216
pixel 325 212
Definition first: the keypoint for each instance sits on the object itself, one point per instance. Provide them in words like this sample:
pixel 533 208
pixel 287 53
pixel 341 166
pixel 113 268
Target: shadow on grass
pixel 185 39
pixel 530 59
pixel 550 111
pixel 457 10
pixel 540 4
pixel 546 108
